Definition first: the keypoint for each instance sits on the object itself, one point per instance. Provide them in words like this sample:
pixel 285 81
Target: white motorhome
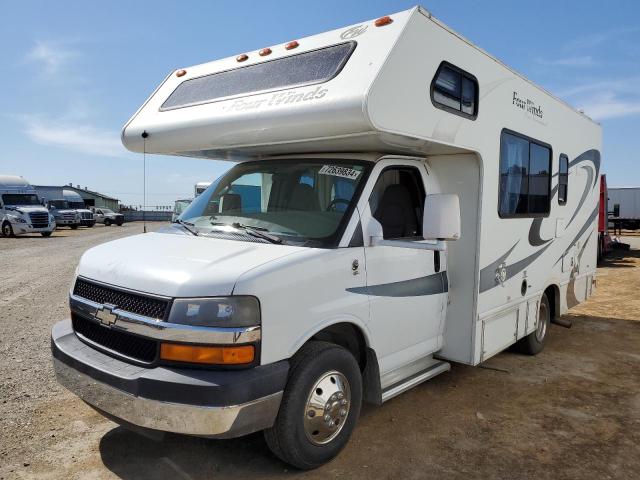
pixel 21 210
pixel 401 200
pixel 179 206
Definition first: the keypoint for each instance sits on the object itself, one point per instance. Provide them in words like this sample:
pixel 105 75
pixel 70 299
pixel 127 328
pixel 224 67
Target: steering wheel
pixel 334 202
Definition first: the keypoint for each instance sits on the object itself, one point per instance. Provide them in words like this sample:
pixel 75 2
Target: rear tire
pixel 107 223
pixel 320 406
pixel 7 229
pixel 534 343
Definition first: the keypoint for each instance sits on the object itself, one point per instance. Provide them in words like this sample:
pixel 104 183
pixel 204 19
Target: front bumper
pixel 220 404
pixel 21 228
pixel 61 221
pixel 85 222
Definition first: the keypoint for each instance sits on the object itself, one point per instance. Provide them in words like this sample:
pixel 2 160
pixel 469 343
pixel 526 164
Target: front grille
pixel 87 215
pixel 69 216
pixel 39 219
pixel 131 346
pixel 130 302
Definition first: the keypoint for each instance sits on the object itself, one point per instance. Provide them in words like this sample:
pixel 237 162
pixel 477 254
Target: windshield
pixel 58 204
pixel 79 205
pixel 20 199
pixel 106 210
pixel 300 201
pixel 180 205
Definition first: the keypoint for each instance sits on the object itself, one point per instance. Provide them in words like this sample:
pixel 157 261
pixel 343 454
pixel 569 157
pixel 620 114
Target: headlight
pixel 16 219
pixel 237 311
pixel 51 218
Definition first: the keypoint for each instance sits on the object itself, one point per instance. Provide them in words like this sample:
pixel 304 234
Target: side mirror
pixel 441 219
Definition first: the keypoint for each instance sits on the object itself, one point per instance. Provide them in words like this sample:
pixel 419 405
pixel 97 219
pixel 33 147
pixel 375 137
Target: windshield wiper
pixel 259 233
pixel 185 226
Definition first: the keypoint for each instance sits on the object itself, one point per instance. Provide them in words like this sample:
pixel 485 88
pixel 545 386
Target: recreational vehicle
pixel 401 200
pixel 179 206
pixel 21 210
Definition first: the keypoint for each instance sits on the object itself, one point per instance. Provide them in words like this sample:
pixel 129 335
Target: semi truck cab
pixel 21 210
pixel 64 214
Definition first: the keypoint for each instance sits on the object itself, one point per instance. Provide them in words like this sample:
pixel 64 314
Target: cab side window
pixel 397 202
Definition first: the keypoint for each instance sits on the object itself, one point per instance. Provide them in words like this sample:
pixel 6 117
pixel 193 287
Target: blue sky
pixel 74 72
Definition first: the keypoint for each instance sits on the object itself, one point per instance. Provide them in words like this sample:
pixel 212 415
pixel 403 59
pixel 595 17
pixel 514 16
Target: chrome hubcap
pixel 543 314
pixel 327 408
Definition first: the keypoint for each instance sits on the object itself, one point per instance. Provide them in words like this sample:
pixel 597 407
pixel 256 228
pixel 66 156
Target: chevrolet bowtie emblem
pixel 106 315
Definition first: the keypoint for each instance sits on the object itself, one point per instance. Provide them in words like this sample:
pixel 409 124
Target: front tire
pixel 7 230
pixel 46 234
pixel 320 406
pixel 74 227
pixel 534 343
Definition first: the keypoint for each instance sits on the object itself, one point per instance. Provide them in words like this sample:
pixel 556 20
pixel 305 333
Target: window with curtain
pixel 525 173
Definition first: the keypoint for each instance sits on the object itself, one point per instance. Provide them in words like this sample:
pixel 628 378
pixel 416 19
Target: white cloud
pixel 52 57
pixel 578 61
pixel 74 136
pixel 595 39
pixel 609 105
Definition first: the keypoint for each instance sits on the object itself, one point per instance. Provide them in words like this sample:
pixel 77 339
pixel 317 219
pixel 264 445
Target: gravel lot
pixel 571 412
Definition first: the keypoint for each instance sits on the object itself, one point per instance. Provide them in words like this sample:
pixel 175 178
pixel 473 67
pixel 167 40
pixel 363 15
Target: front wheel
pixel 7 229
pixel 46 234
pixel 320 406
pixel 107 223
pixel 533 343
pixel 74 227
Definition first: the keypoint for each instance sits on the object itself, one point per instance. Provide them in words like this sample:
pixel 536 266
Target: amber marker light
pixel 181 73
pixel 382 21
pixel 176 352
pixel 264 52
pixel 291 45
pixel 242 57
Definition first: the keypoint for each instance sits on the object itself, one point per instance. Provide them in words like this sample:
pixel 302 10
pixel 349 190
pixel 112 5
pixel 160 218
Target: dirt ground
pixel 572 412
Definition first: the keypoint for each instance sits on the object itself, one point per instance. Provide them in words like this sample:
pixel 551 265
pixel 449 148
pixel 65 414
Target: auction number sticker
pixel 336 171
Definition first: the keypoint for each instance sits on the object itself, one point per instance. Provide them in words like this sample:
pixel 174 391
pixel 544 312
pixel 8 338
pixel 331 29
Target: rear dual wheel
pixel 534 343
pixel 320 406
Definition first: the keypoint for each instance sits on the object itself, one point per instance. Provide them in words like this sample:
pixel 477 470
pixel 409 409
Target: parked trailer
pixel 625 207
pixel 21 210
pixel 604 238
pixel 395 207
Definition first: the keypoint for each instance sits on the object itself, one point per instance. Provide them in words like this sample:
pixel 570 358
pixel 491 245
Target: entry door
pixel 405 286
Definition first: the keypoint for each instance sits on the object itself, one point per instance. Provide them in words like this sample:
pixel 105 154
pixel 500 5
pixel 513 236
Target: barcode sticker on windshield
pixel 336 171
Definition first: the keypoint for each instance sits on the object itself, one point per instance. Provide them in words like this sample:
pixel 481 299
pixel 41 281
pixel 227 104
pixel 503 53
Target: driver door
pixel 406 287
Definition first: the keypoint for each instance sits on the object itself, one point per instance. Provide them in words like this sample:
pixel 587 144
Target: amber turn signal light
pixel 382 21
pixel 291 45
pixel 207 355
pixel 181 73
pixel 264 52
pixel 242 57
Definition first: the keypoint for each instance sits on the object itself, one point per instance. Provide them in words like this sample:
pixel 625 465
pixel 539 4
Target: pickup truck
pixel 108 217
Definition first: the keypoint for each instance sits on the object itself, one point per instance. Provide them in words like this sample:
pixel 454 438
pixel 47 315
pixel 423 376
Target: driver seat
pixel 396 214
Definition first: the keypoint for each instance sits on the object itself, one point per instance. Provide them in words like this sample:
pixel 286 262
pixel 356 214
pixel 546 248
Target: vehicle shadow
pixel 620 258
pixel 131 456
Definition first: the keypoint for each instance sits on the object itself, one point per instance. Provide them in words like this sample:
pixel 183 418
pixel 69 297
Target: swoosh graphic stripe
pixel 584 228
pixel 416 287
pixel 587 188
pixel 488 273
pixel 592 156
pixel 535 240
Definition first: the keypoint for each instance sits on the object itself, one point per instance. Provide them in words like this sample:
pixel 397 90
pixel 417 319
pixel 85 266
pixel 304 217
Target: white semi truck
pixel 21 210
pixel 624 203
pixel 401 200
pixel 76 202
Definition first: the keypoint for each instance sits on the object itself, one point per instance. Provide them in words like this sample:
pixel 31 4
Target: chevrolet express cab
pixel 394 207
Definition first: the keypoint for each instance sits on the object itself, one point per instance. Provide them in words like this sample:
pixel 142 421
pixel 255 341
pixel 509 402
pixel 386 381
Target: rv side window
pixel 525 167
pixel 455 90
pixel 563 179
